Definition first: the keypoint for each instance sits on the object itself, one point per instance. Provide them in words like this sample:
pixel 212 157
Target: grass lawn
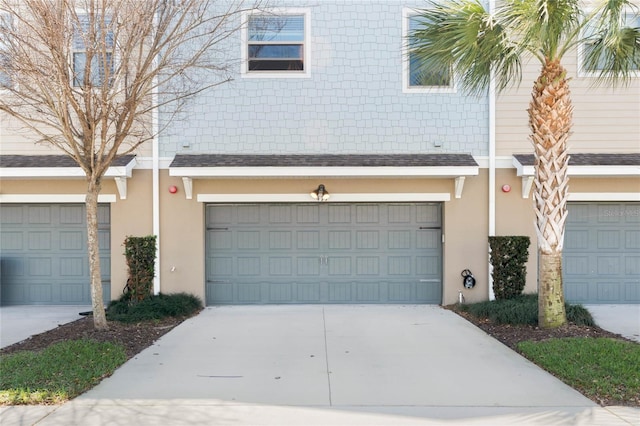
pixel 58 373
pixel 602 369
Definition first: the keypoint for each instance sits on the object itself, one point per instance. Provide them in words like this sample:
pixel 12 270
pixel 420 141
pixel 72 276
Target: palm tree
pixel 480 46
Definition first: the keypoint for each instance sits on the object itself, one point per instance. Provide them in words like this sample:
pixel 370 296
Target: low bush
pixel 522 310
pixel 153 308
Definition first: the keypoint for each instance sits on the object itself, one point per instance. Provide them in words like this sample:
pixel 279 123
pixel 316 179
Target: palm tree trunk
pixel 99 315
pixel 550 120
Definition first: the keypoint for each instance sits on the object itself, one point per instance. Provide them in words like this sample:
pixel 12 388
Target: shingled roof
pixel 578 159
pixel 317 160
pixel 28 161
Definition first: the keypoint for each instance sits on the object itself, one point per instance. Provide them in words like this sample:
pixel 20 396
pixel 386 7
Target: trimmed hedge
pixel 141 256
pixel 509 255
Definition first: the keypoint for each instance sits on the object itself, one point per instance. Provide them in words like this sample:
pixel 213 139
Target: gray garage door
pixel 323 253
pixel 43 253
pixel 602 253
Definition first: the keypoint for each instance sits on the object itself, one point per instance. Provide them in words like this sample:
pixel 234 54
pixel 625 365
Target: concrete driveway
pixel 330 365
pixel 620 319
pixel 19 322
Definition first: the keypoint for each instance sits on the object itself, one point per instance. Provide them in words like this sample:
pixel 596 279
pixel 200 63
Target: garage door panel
pixel 632 240
pixel 280 240
pixel 578 291
pixel 39 240
pixel 321 253
pixel 602 253
pixel 308 266
pixel 11 240
pixel 39 266
pixel 71 215
pixel 608 265
pixel 12 215
pixel 607 240
pixel 72 293
pixel 632 265
pixel 428 290
pixel 75 240
pixel 341 240
pixel 40 293
pixel 340 292
pixel 309 292
pixel 339 214
pixel 632 291
pixel 367 265
pixel 280 266
pixel 249 292
pixel 308 214
pixel 74 266
pixel 608 291
pixel 39 215
pixel 401 291
pixel 339 265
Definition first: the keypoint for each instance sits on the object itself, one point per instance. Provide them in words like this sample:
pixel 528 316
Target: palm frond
pixel 612 42
pixel 545 28
pixel 462 36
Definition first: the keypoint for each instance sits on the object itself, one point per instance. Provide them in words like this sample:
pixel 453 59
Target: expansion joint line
pixel 326 355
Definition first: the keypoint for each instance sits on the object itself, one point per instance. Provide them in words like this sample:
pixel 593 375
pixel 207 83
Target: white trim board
pixel 604 196
pixel 53 198
pixel 335 198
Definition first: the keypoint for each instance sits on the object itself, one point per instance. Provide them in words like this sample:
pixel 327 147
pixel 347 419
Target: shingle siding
pixel 352 102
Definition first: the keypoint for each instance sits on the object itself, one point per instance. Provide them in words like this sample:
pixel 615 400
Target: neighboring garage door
pixel 323 253
pixel 43 252
pixel 602 253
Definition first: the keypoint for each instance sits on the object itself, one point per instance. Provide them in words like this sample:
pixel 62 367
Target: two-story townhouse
pixel 329 170
pixel 601 256
pixel 43 245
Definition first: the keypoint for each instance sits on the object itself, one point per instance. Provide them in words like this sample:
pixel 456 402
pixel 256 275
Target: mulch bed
pixel 134 337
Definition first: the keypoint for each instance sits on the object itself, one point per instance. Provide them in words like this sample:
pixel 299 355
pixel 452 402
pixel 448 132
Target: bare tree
pixel 85 76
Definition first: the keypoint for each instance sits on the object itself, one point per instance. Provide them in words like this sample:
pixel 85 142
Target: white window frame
pixel 582 72
pixel 407 13
pixel 80 15
pixel 244 42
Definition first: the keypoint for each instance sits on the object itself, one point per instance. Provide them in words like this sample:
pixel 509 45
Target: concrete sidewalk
pixel 330 365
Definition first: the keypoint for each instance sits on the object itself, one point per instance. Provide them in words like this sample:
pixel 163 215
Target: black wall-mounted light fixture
pixel 320 193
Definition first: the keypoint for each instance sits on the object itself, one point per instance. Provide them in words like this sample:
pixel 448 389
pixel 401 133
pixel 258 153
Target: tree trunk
pixel 99 315
pixel 550 120
pixel 551 309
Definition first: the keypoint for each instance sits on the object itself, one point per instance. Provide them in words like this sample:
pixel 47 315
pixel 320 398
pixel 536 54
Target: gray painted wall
pixel 353 101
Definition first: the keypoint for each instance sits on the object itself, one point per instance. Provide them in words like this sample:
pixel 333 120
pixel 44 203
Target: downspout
pixel 156 190
pixel 155 173
pixel 492 164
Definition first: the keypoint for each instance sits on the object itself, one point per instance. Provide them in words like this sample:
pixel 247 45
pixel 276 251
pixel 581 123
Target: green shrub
pixel 154 308
pixel 509 255
pixel 578 314
pixel 141 255
pixel 523 310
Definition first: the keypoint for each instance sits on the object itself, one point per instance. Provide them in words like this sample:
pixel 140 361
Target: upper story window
pixel 6 24
pixel 594 68
pixel 417 77
pixel 94 49
pixel 276 45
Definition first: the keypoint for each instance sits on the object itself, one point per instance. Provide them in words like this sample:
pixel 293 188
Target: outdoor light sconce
pixel 320 193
